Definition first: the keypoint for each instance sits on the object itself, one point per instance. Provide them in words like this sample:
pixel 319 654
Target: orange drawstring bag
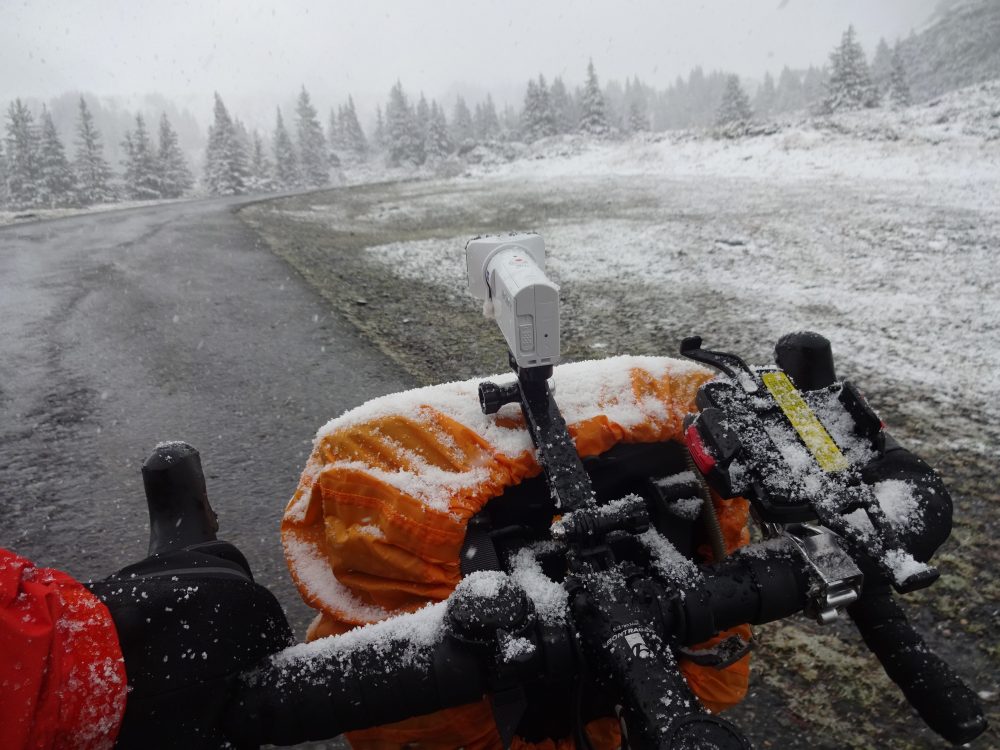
pixel 376 525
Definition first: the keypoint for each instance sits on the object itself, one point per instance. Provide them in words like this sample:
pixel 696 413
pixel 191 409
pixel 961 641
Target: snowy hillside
pixel 878 228
pixel 955 137
pixel 959 46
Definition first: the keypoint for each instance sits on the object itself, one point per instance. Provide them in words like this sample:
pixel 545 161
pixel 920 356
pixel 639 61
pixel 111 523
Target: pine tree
pixel 58 183
pixel 313 158
pixel 401 135
pixel 175 176
pixel 635 107
pixel 93 173
pixel 438 143
pixel 899 87
pixel 286 164
pixel 766 98
pixel 537 118
pixel 3 177
pixel 735 106
pixel 850 85
pixel 378 137
pixel 261 169
pixel 531 113
pixel 423 121
pixel 638 120
pixel 243 138
pixel 547 121
pixel 142 173
pixel 462 128
pixel 788 95
pixel 23 158
pixel 226 168
pixel 509 122
pixel 333 132
pixel 563 116
pixel 353 135
pixel 814 87
pixel 593 117
pixel 485 124
pixel 491 123
pixel 882 65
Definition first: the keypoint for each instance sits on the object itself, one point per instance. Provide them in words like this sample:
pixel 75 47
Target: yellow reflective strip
pixel 810 429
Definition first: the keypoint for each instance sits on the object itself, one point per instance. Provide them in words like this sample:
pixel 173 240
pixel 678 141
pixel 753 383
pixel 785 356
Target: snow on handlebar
pixel 487 634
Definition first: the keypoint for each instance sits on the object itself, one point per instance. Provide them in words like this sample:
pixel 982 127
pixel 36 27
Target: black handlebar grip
pixel 179 512
pixel 320 690
pixel 945 703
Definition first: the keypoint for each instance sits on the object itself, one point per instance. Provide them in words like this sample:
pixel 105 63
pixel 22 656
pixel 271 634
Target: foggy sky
pixel 258 53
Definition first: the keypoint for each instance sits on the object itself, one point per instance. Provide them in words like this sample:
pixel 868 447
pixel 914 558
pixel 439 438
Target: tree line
pixel 848 83
pixel 36 172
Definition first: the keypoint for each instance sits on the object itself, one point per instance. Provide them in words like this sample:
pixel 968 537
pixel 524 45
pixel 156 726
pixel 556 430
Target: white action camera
pixel 506 272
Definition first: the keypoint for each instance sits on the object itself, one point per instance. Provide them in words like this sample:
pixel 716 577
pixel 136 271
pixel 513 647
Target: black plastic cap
pixel 806 358
pixel 179 512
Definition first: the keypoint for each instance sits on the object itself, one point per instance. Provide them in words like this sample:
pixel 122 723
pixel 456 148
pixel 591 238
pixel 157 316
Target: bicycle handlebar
pixel 931 686
pixel 452 653
pixel 414 664
pixel 395 670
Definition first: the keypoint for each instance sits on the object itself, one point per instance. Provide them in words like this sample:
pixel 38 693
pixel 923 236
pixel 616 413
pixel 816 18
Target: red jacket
pixel 62 677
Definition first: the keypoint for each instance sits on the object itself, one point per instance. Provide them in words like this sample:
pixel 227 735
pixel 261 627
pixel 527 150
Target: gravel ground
pixel 363 249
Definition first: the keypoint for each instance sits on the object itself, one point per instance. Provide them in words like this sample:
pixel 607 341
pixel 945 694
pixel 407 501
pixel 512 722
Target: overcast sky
pixel 255 50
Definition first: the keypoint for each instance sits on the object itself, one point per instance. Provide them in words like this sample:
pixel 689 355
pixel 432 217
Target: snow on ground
pixel 43 214
pixel 879 229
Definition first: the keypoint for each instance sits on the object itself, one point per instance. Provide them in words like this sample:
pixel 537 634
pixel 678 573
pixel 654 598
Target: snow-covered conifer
pixel 401 134
pixel 93 173
pixel 462 128
pixel 438 143
pixel 899 86
pixel 850 85
pixel 766 98
pixel 881 67
pixel 226 167
pixel 142 174
pixel 423 122
pixel 175 176
pixel 735 106
pixel 3 176
pixel 564 118
pixel 547 119
pixel 814 87
pixel 333 131
pixel 351 132
pixel 635 107
pixel 58 183
pixel 638 117
pixel 313 159
pixel 261 168
pixel 23 158
pixel 486 122
pixel 286 164
pixel 378 135
pixel 537 118
pixel 788 94
pixel 509 122
pixel 243 137
pixel 530 112
pixel 593 116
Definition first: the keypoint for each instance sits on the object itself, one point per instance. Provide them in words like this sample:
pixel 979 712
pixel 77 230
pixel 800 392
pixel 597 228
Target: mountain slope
pixel 959 47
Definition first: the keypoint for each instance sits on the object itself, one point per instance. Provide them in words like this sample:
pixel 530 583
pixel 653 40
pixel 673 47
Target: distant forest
pixel 119 155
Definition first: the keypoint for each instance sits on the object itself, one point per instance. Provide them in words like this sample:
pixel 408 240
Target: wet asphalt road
pixel 124 329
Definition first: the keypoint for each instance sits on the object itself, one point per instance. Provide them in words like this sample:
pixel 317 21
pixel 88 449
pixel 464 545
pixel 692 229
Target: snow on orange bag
pixel 376 525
